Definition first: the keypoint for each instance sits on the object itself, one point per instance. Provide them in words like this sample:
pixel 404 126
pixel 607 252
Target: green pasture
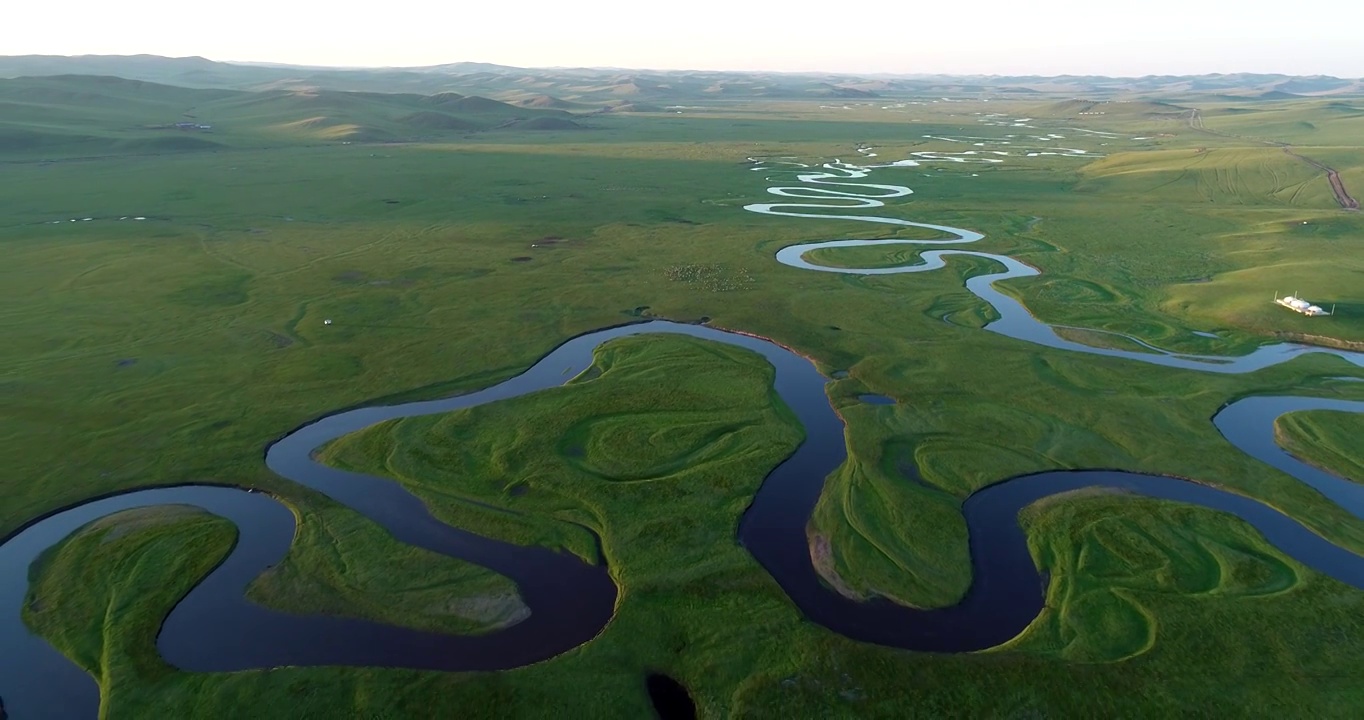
pixel 1327 439
pixel 1307 122
pixel 1242 176
pixel 176 348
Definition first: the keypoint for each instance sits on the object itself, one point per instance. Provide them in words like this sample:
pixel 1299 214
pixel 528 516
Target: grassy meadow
pixel 450 252
pixel 1329 440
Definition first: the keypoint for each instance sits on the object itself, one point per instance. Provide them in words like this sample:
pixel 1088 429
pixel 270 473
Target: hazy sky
pixel 894 36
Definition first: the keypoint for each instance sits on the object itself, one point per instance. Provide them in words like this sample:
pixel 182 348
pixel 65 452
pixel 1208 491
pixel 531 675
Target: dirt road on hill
pixel 1337 186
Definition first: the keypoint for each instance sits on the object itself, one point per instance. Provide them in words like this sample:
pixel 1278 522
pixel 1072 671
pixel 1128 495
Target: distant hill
pixel 840 91
pixel 104 64
pixel 1277 95
pixel 84 90
pixel 548 102
pixel 184 71
pixel 93 115
pixel 579 88
pixel 1316 85
pixel 468 68
pixel 442 100
pixel 482 105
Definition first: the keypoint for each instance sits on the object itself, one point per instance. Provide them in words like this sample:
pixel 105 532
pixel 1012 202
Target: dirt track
pixel 1337 186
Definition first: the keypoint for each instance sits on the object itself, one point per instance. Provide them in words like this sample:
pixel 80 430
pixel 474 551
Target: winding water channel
pixel 830 185
pixel 216 629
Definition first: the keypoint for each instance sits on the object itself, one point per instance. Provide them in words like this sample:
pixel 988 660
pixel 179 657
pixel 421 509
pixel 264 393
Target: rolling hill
pixel 93 115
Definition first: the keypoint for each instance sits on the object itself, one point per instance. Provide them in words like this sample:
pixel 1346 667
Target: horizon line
pixel 343 68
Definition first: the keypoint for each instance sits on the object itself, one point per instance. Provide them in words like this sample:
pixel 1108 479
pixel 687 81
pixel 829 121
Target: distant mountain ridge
pixel 606 86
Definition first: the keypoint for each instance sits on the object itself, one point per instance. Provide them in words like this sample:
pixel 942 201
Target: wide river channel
pixel 215 629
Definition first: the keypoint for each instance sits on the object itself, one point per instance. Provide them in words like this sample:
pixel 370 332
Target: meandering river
pixel 831 185
pixel 216 629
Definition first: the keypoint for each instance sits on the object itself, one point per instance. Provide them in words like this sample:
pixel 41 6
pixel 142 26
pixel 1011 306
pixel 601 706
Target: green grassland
pixel 1329 440
pixel 179 545
pixel 1246 176
pixel 1299 122
pixel 662 423
pixel 175 348
pixel 344 565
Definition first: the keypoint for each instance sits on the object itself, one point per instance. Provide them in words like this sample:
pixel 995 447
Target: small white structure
pixel 1297 304
pixel 326 322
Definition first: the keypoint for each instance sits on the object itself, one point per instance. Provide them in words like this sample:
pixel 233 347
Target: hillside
pixel 89 115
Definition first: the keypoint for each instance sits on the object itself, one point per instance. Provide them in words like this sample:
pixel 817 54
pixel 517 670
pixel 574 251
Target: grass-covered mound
pixel 548 102
pixel 106 570
pixel 1333 441
pixel 660 425
pixel 1114 559
pixel 342 564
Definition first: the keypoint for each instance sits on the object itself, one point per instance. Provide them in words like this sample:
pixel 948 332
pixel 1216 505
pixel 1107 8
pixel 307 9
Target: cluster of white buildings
pixel 1297 304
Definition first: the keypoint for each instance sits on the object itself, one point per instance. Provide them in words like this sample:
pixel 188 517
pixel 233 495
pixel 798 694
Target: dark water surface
pixel 216 629
pixel 671 700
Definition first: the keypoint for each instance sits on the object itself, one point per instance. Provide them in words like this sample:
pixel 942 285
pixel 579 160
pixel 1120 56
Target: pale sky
pixel 1046 37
